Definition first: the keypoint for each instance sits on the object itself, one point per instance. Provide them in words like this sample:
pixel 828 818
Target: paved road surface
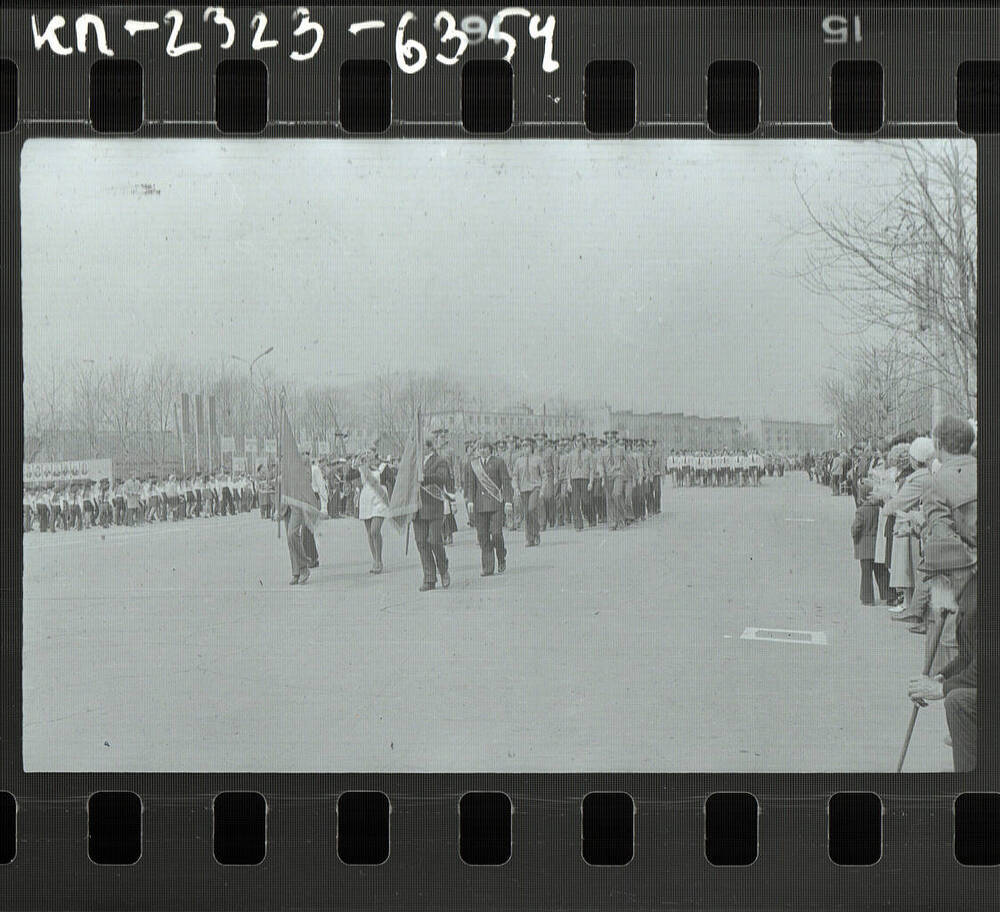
pixel 182 648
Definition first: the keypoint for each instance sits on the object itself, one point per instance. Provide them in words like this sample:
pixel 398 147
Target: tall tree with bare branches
pixel 905 266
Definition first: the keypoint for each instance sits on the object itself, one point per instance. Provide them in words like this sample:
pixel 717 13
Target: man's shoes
pixel 919 628
pixel 501 566
pixel 304 575
pixel 294 581
pixel 445 580
pixel 486 573
pixel 426 587
pixel 912 618
pixel 897 609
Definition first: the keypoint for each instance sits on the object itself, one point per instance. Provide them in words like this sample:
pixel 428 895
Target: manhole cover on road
pixel 813 637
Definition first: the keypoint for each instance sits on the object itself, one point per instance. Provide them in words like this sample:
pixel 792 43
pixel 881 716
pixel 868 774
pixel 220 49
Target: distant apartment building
pixel 791 436
pixel 677 431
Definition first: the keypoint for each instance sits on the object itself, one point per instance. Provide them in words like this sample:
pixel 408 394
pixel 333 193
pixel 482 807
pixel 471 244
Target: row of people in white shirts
pixel 144 491
pixel 717 461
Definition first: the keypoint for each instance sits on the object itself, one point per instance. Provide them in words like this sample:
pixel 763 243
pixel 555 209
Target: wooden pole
pixel 928 664
pixel 281 426
pixel 197 438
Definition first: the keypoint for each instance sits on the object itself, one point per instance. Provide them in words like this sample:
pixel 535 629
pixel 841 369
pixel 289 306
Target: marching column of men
pixel 580 481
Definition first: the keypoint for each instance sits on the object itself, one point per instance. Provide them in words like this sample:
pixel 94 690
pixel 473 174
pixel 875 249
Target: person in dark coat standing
pixel 487 489
pixel 863 531
pixel 429 518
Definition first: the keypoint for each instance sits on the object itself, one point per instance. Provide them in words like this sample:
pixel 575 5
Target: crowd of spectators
pixel 914 534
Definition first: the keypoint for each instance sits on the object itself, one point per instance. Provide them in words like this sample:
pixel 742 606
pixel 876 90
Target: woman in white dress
pixel 373 504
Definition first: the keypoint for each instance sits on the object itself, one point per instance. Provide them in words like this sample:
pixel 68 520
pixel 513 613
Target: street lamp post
pixel 250 364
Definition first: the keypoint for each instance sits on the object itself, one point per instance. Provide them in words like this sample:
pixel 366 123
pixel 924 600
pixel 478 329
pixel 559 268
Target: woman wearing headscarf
pixel 905 507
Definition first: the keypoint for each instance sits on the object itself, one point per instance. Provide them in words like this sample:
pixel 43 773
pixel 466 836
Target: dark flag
pixel 296 478
pixel 186 413
pixel 405 500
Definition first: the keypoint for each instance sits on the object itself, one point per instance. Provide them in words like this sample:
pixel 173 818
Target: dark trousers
pixel 638 501
pixel 43 518
pixel 564 509
pixel 529 506
pixel 960 710
pixel 870 569
pixel 309 545
pixel 550 510
pixel 577 495
pixel 227 502
pixel 433 558
pixel 489 532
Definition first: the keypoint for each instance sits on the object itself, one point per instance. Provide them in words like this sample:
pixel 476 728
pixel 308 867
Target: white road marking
pixel 774 635
pixel 798 519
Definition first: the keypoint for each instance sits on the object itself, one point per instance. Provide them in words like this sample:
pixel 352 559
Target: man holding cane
pixel 950 562
pixel 953 589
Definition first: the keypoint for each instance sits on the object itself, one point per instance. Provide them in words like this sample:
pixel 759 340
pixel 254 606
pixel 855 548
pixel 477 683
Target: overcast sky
pixel 653 275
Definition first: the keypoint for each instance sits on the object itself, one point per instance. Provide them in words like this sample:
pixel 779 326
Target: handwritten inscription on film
pixel 181 36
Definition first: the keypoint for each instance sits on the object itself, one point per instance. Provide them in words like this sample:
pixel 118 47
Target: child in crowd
pixel 863 532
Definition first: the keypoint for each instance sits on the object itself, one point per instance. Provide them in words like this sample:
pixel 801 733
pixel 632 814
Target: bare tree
pixel 45 410
pixel 122 405
pixel 393 399
pixel 879 394
pixel 906 265
pixel 161 389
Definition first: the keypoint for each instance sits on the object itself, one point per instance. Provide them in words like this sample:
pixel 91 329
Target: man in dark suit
pixel 487 488
pixel 427 523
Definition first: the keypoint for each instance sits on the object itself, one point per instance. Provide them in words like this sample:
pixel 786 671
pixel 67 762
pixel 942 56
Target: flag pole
pixel 197 439
pixel 420 476
pixel 281 427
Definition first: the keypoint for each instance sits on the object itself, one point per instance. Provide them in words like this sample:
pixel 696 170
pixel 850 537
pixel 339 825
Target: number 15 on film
pixel 836 30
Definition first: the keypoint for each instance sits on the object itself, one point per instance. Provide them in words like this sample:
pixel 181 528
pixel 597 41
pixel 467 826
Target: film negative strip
pixel 577 360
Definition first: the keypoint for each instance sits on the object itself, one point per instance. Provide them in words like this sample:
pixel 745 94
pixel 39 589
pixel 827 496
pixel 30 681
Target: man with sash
pixel 487 488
